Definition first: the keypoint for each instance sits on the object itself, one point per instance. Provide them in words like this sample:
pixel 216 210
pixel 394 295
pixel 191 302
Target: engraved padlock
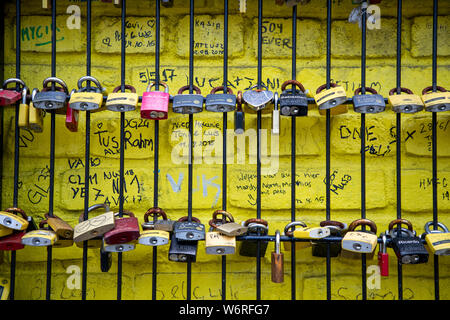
pixel 356 242
pixel 49 99
pixel 368 103
pixel 41 237
pixel 436 101
pixel 35 115
pixel 122 101
pixel 24 110
pixel 257 99
pixel 289 232
pixel 94 228
pixel 188 103
pixel 337 229
pixel 293 102
pixel 239 115
pixel 126 229
pixel 155 104
pixel 249 248
pixel 227 225
pixel 408 248
pixel 87 98
pixel 405 103
pixel 223 102
pixel 438 241
pixel 186 230
pixel 182 251
pixel 9 218
pixel 332 98
pixel 72 117
pixel 11 96
pixel 217 243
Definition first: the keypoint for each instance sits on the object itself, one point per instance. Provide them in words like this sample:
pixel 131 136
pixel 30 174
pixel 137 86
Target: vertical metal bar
pixel 293 153
pixel 399 138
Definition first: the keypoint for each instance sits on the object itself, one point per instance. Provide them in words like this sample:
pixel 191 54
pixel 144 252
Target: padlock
pixel 223 102
pixel 61 241
pixel 11 96
pixel 41 237
pixel 61 227
pixel 35 115
pixel 125 230
pixel 436 101
pixel 249 248
pixel 333 99
pixel 167 3
pixel 239 115
pixel 10 219
pixel 12 242
pixel 4 231
pixel 405 103
pixel 257 99
pixel 152 237
pixel 438 242
pixel 122 101
pixel 408 248
pixel 155 104
pixel 218 243
pixel 368 103
pixel 4 289
pixel 383 256
pixel 289 232
pixel 182 251
pixel 227 226
pixel 311 232
pixel 24 110
pixel 356 242
pixel 293 102
pixel 277 259
pixel 87 99
pixel 337 229
pixel 94 228
pixel 163 224
pixel 49 99
pixel 105 260
pixel 185 230
pixel 275 115
pixel 120 247
pixel 188 103
pixel 72 119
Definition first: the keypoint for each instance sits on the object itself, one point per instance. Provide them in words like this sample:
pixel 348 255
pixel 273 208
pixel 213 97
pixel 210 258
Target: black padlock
pixel 49 99
pixel 293 102
pixel 249 248
pixel 182 251
pixel 239 115
pixel 188 103
pixel 185 230
pixel 220 102
pixel 337 229
pixel 408 248
pixel 105 260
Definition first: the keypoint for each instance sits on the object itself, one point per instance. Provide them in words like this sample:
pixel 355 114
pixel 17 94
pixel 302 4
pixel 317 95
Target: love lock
pixel 223 102
pixel 188 103
pixel 332 98
pixel 368 103
pixel 49 99
pixel 436 101
pixel 155 104
pixel 405 103
pixel 122 101
pixel 87 99
pixel 11 96
pixel 257 99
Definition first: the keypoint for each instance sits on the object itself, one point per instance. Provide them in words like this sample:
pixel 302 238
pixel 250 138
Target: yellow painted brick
pixel 421 39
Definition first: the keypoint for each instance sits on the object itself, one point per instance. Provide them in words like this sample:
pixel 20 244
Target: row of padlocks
pixel 110 232
pixel 155 104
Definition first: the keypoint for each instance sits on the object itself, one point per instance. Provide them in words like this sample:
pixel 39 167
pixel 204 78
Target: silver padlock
pixel 257 99
pixel 368 103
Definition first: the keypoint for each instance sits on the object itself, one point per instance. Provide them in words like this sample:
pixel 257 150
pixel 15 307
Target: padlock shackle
pixel 297 83
pixel 165 85
pixel 239 101
pixel 55 80
pixel 184 88
pixel 430 88
pixel 155 211
pixel 254 225
pixel 399 222
pixel 275 101
pixel 394 233
pixel 221 88
pixel 404 90
pixel 277 242
pixel 33 93
pixel 225 215
pixel 431 223
pixel 254 220
pixel 363 222
pixel 89 78
pixel 256 86
pixel 127 86
pixel 186 218
pixel 42 223
pixel 292 225
pixel 368 89
pixel 13 80
pixel 124 212
pixel 337 224
pixel 16 211
pixel 25 92
pixel 94 207
pixel 324 86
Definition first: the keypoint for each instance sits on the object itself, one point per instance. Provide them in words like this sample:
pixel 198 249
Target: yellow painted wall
pixel 345 202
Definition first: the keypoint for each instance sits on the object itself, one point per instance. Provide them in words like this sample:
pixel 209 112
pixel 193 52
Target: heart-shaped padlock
pixel 257 99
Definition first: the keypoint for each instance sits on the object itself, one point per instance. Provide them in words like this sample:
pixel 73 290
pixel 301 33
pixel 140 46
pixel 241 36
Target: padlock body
pixel 105 260
pixel 125 230
pixel 231 229
pixel 4 288
pixel 164 225
pixel 436 101
pixel 249 248
pixel 340 109
pixel 330 98
pixel 439 243
pixel 406 103
pixel 294 104
pixel 12 221
pixel 383 262
pixel 5 231
pixel 257 100
pixel 217 243
pixel 189 231
pixel 61 228
pixel 277 267
pixel 24 114
pixel 239 122
pixel 155 105
pixel 39 238
pixel 122 101
pixel 12 242
pixel 123 247
pixel 72 119
pixel 182 251
pixel 368 103
pixel 409 250
pixel 93 243
pixel 63 243
pixel 35 119
pixel 49 100
pixel 311 233
pixel 223 102
pixel 154 237
pixel 8 97
pixel 187 103
pixel 86 101
pixel 319 249
pixel 359 242
pixel 94 227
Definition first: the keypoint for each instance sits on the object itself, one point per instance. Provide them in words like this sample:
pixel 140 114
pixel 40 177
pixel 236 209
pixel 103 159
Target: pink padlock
pixel 155 104
pixel 72 117
pixel 10 96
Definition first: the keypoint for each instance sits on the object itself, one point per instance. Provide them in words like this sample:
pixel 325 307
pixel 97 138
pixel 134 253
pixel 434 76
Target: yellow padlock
pixel 4 289
pixel 438 241
pixel 10 219
pixel 405 103
pixel 24 110
pixel 436 101
pixel 35 116
pixel 4 231
pixel 356 242
pixel 84 100
pixel 289 231
pixel 39 238
pixel 122 101
pixel 333 99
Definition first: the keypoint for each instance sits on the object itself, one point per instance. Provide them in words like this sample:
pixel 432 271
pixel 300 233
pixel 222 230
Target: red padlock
pixel 12 242
pixel 10 96
pixel 155 104
pixel 383 257
pixel 125 230
pixel 72 119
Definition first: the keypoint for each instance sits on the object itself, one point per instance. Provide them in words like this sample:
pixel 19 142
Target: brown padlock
pixel 277 260
pixel 227 226
pixel 61 227
pixel 61 242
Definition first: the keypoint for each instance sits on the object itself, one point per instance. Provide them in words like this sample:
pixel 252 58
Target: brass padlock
pixel 87 99
pixel 277 259
pixel 436 101
pixel 438 242
pixel 151 237
pixel 333 99
pixel 94 228
pixel 227 226
pixel 60 241
pixel 356 242
pixel 405 103
pixel 35 115
pixel 219 244
pixel 61 227
pixel 289 231
pixel 24 110
pixel 163 224
pixel 311 232
pixel 10 219
pixel 122 101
